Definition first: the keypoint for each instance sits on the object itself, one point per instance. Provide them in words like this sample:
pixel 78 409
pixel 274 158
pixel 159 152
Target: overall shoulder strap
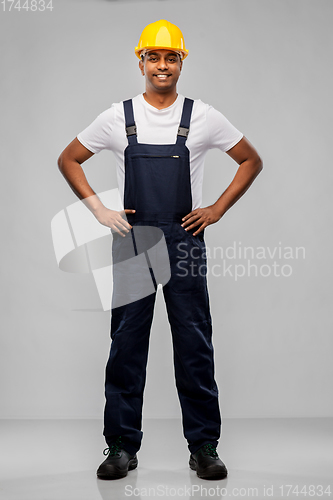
pixel 129 122
pixel 184 126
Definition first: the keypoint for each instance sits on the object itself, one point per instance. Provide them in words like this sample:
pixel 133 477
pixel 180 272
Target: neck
pixel 158 100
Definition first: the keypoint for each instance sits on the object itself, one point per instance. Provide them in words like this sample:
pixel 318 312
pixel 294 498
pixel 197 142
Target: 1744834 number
pixel 27 5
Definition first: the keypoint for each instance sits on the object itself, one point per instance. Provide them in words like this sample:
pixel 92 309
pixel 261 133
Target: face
pixel 161 69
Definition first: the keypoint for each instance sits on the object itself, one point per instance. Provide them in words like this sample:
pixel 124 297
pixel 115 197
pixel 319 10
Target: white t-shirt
pixel 208 129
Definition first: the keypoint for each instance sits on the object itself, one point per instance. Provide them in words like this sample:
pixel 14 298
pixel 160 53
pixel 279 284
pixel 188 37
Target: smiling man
pixel 160 139
pixel 160 67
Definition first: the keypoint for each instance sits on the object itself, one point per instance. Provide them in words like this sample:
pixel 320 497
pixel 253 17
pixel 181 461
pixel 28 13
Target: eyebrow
pixel 168 54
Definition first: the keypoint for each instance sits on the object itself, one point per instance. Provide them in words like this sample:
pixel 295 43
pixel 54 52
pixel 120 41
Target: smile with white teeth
pixel 162 77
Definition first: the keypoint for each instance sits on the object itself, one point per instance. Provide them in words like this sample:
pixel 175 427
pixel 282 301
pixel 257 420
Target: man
pixel 160 140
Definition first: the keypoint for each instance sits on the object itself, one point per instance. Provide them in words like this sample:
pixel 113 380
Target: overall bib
pixel 158 187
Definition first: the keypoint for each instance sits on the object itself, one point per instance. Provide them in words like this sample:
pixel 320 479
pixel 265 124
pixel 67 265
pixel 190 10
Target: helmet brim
pixel 183 52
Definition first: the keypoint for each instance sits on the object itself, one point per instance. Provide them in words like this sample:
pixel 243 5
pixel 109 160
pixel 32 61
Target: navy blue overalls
pixel 158 187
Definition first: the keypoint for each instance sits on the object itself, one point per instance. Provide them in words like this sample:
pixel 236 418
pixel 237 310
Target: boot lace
pixel 210 450
pixel 114 449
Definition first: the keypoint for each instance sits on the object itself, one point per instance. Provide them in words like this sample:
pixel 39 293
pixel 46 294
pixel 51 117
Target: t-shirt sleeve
pixel 98 135
pixel 221 133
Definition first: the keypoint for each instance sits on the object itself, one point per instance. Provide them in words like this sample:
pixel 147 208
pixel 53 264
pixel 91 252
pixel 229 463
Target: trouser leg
pixel 126 372
pixel 187 302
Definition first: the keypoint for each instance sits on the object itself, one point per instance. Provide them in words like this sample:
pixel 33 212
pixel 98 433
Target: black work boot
pixel 118 462
pixel 207 463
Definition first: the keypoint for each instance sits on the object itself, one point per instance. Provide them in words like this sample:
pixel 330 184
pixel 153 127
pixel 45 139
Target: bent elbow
pixel 60 162
pixel 259 164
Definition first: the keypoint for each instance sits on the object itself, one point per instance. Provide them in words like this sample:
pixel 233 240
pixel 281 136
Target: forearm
pixel 74 175
pixel 245 175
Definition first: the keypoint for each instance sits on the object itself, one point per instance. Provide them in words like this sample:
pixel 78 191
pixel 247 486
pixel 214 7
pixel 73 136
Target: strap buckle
pixel 131 130
pixel 183 131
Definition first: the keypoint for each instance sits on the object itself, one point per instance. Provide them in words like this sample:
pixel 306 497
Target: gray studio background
pixel 266 66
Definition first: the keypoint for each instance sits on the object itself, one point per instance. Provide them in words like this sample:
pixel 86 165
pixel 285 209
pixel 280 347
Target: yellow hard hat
pixel 162 35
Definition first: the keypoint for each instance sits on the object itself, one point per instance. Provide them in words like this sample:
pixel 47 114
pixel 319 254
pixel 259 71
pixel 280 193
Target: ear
pixel 142 68
pixel 181 65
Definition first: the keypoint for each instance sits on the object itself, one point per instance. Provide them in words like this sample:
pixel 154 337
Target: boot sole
pixel 210 473
pixel 132 464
